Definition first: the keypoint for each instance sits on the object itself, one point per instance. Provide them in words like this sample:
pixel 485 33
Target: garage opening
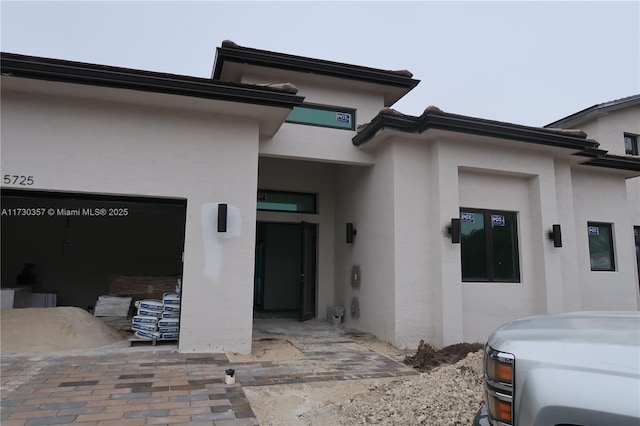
pixel 76 247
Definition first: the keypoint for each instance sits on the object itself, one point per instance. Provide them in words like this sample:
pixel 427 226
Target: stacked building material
pixel 112 306
pixel 158 319
pixel 142 287
pixel 169 323
pixel 145 324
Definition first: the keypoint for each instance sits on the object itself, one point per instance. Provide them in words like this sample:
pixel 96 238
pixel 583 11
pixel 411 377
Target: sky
pixel 528 63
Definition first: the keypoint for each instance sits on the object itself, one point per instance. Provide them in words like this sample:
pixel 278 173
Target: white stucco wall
pixel 365 197
pixel 503 179
pixel 423 184
pixel 415 188
pixel 487 305
pixel 543 191
pixel 321 143
pixel 568 253
pixel 77 145
pixel 417 310
pixel 476 173
pixel 432 179
pixel 601 197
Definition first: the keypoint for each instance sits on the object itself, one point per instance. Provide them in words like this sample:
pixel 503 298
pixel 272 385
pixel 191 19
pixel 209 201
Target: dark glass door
pixel 636 236
pixel 307 271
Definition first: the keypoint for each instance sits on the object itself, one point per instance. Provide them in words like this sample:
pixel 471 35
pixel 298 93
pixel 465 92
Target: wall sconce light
pixel 351 232
pixel 556 235
pixel 454 231
pixel 222 218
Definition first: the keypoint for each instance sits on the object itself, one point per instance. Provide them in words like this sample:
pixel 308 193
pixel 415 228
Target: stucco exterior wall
pixel 520 180
pixel 76 145
pixel 418 184
pixel 425 184
pixel 568 253
pixel 416 298
pixel 433 179
pixel 487 305
pixel 321 143
pixel 604 290
pixel 365 197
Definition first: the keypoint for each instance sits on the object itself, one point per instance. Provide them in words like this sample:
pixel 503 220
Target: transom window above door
pixel 283 201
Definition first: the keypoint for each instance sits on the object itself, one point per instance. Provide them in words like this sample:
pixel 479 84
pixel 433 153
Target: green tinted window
pixel 287 201
pixel 505 247
pixel 489 245
pixel 474 258
pixel 339 118
pixel 600 246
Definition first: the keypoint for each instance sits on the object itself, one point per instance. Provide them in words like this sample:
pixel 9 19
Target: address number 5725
pixel 17 180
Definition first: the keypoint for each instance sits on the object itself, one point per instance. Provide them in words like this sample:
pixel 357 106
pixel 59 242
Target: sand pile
pixel 52 329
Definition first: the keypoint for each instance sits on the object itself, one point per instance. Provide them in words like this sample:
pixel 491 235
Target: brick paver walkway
pixel 151 387
pixel 159 386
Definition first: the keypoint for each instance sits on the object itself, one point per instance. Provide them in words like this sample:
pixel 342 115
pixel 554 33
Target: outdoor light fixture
pixel 454 231
pixel 556 235
pixel 222 218
pixel 351 232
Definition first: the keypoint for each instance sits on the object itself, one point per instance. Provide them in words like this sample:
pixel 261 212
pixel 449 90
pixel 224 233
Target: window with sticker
pixel 489 245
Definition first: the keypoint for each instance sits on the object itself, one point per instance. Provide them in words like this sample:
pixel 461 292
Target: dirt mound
pixel 449 395
pixel 52 329
pixel 427 357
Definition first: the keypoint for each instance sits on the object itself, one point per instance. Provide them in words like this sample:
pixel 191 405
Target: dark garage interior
pixel 75 245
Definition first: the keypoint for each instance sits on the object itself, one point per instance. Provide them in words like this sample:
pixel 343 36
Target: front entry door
pixel 307 271
pixel 285 270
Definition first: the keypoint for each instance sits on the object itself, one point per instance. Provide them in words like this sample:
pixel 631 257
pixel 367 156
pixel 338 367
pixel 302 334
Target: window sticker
pixel 343 117
pixel 497 220
pixel 468 217
pixel 594 230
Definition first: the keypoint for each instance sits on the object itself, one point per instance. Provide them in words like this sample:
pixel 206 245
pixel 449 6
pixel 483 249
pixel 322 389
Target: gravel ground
pixel 448 395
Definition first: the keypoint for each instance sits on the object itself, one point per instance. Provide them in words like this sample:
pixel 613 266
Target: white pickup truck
pixel 569 369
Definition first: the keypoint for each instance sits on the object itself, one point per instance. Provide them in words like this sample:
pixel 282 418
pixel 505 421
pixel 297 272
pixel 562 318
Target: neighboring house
pixel 285 185
pixel 616 126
